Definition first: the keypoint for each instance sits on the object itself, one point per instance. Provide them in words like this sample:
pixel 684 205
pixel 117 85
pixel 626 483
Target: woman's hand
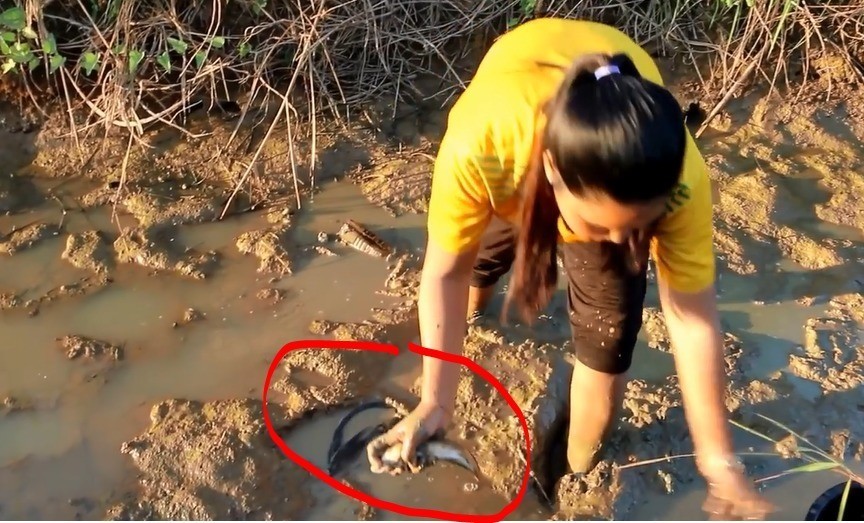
pixel 421 424
pixel 732 496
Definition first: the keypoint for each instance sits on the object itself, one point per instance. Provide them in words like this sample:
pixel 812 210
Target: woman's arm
pixel 694 330
pixel 442 308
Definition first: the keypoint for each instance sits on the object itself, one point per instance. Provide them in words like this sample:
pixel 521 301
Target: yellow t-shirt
pixel 490 134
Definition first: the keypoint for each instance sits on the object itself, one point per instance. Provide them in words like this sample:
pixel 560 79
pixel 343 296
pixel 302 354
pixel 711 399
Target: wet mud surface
pixel 140 324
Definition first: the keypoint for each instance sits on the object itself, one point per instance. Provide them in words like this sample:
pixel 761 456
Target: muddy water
pixel 82 412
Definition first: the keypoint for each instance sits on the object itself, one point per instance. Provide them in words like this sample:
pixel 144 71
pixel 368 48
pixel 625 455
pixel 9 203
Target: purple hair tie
pixel 606 70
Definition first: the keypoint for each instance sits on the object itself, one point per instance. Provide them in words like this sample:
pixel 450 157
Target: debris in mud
pixel 18 193
pixel 9 301
pixel 324 251
pixel 81 346
pixel 153 248
pixel 189 316
pixel 88 251
pixel 269 246
pixel 357 236
pixel 271 295
pixel 26 237
pixel 212 461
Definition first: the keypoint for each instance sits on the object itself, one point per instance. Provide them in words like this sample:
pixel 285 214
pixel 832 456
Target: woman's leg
pixel 494 259
pixel 606 296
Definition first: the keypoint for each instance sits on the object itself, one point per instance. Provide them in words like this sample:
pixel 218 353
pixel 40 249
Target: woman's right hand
pixel 421 424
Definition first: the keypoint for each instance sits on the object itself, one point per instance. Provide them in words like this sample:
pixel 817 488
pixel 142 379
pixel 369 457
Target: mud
pixel 89 251
pixel 83 347
pixel 210 461
pixel 269 246
pixel 196 304
pixel 26 237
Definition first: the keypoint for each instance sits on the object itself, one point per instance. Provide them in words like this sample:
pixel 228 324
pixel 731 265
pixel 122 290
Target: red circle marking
pixel 362 496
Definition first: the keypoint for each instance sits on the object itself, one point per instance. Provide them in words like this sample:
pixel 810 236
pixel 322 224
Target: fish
pixel 431 452
pixel 339 432
pixel 340 453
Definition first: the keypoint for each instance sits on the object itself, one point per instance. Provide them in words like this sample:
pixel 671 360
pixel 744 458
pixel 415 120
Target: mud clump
pixel 88 251
pixel 26 237
pixel 271 295
pixel 9 301
pixel 155 210
pixel 80 346
pixel 655 327
pixel 189 316
pixel 270 247
pixel 154 248
pixel 591 496
pixel 211 461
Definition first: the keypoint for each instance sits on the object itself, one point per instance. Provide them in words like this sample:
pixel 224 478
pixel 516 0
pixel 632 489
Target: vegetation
pixel 129 64
pixel 800 448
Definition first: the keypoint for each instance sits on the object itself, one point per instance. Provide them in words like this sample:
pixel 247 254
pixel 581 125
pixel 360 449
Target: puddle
pixel 441 487
pixel 225 355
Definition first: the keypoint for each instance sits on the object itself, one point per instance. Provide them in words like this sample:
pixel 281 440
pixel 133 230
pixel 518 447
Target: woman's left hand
pixel 732 496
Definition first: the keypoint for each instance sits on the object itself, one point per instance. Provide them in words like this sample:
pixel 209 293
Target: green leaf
pixel 20 52
pixel 119 49
pixel 34 63
pixel 13 18
pixel 8 65
pixel 244 49
pixel 817 466
pixel 135 57
pixel 179 46
pixel 164 60
pixel 4 48
pixel 218 42
pixel 28 32
pixel 56 62
pixel 90 61
pixel 841 513
pixel 9 37
pixel 200 56
pixel 49 45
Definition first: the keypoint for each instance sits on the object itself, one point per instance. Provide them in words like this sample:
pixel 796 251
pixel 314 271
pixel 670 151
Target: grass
pixel 815 459
pixel 131 65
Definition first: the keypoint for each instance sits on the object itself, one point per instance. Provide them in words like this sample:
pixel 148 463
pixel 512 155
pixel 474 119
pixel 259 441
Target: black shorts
pixel 606 292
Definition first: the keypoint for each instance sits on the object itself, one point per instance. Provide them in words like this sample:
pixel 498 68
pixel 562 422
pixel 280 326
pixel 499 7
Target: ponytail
pixel 535 268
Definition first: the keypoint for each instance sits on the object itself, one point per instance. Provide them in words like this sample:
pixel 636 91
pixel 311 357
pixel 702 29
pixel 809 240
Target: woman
pixel 567 136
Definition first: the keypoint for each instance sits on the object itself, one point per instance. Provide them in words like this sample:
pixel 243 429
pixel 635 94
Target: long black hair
pixel 615 134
